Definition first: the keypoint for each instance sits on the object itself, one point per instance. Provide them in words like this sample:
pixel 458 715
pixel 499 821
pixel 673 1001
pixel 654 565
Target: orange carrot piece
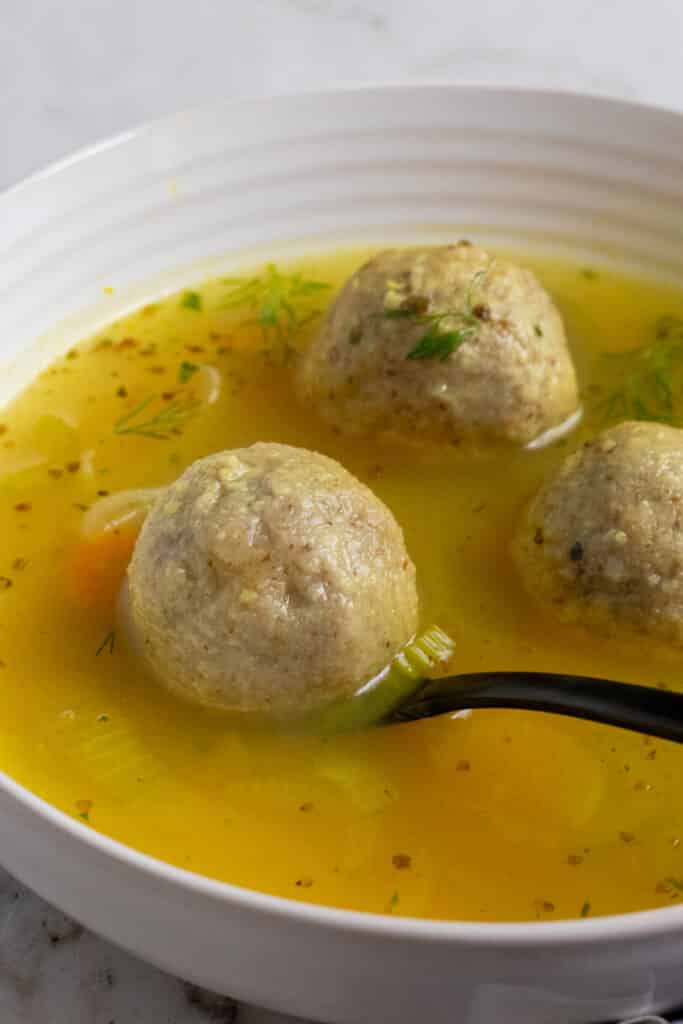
pixel 96 568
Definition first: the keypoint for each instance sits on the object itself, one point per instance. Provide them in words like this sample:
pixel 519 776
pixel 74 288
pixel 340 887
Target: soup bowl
pixel 187 196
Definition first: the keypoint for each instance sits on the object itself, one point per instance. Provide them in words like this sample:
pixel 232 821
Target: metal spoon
pixel 639 708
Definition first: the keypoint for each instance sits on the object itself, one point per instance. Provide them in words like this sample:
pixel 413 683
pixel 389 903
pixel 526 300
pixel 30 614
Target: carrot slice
pixel 97 566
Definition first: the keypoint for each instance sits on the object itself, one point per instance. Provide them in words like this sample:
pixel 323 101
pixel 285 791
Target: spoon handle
pixel 639 708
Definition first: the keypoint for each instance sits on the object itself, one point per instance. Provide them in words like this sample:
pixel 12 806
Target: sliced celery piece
pixel 417 661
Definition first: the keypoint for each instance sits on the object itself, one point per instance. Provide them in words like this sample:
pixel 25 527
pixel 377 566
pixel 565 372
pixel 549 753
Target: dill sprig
pixel 650 378
pixel 186 370
pixel 107 644
pixel 166 421
pixel 447 330
pixel 393 902
pixel 191 300
pixel 282 304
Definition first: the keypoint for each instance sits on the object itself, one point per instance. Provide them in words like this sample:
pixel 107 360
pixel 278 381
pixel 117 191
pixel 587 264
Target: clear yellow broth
pixel 491 816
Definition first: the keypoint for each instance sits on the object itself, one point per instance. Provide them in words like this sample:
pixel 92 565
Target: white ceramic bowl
pixel 140 213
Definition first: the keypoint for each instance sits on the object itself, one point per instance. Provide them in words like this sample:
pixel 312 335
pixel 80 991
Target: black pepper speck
pixel 576 551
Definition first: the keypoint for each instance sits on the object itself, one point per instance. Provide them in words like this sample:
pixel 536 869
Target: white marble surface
pixel 54 972
pixel 74 71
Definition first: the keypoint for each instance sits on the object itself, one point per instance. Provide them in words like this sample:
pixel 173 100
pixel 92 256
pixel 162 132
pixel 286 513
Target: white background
pixel 75 71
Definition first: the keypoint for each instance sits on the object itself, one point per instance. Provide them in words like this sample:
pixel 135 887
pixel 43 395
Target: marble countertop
pixel 69 76
pixel 52 971
pixel 72 74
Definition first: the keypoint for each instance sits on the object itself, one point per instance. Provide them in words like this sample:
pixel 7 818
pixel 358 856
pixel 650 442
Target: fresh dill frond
pixel 671 886
pixel 186 370
pixel 281 304
pixel 107 644
pixel 649 379
pixel 191 300
pixel 163 423
pixel 447 330
pixel 437 343
pixel 669 328
pixel 392 902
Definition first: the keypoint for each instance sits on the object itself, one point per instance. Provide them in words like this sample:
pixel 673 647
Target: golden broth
pixel 490 816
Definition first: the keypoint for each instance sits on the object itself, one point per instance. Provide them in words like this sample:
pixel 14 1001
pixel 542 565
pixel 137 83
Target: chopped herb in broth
pixel 107 644
pixel 282 304
pixel 158 423
pixel 191 300
pixel 648 378
pixel 490 816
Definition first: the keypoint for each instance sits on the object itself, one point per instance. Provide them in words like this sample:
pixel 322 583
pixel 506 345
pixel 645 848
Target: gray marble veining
pixel 52 971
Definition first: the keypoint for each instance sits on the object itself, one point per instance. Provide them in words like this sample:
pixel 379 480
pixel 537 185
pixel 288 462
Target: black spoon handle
pixel 640 708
